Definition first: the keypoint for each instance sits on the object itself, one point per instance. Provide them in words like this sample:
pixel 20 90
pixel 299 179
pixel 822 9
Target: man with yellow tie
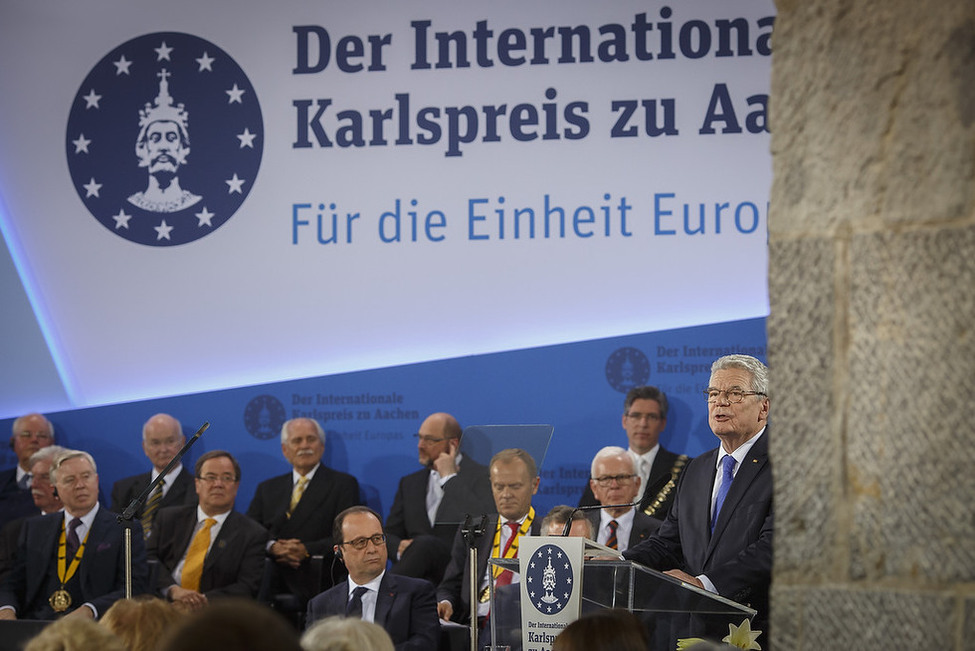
pixel 208 550
pixel 298 509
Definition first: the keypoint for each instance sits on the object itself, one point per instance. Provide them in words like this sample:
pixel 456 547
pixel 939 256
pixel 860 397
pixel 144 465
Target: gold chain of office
pixel 668 488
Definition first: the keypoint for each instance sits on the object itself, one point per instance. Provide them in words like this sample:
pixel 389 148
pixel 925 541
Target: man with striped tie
pixel 162 438
pixel 208 550
pixel 615 482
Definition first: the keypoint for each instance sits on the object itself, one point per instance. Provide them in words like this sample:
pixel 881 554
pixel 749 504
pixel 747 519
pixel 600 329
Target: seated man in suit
pixel 644 419
pixel 405 607
pixel 614 481
pixel 718 535
pixel 45 500
pixel 514 479
pixel 507 598
pixel 431 502
pixel 299 507
pixel 71 562
pixel 30 433
pixel 208 550
pixel 162 438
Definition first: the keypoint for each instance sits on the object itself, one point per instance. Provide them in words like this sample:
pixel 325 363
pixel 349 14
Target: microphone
pixel 133 506
pixel 593 507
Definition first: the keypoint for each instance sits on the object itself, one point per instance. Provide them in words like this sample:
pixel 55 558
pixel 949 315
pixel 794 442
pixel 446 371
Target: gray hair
pixel 287 424
pixel 609 452
pixel 179 426
pixel 18 423
pixel 346 634
pixel 560 514
pixel 50 452
pixel 748 363
pixel 70 454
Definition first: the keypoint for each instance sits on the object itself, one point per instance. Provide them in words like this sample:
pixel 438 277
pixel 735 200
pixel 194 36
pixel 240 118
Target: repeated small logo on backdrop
pixel 264 416
pixel 164 139
pixel 549 579
pixel 627 368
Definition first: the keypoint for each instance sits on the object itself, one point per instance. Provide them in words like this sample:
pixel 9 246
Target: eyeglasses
pixel 212 479
pixel 734 395
pixel 40 436
pixel 424 438
pixel 653 418
pixel 360 543
pixel 606 480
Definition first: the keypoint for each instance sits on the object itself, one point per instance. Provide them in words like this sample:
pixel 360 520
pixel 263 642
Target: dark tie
pixel 72 542
pixel 354 608
pixel 611 542
pixel 24 483
pixel 727 474
pixel 149 514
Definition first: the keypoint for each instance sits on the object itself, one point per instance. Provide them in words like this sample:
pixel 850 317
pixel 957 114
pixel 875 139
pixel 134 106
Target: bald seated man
pixel 432 501
pixel 162 438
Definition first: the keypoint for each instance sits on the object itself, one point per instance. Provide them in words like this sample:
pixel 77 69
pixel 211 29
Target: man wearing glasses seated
pixel 616 484
pixel 30 433
pixel 208 550
pixel 404 606
pixel 431 503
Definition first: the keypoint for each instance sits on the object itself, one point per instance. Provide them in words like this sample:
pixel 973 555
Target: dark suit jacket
pixel 467 492
pixel 643 526
pixel 100 579
pixel 235 563
pixel 15 502
pixel 8 482
pixel 456 584
pixel 738 557
pixel 328 493
pixel 127 489
pixel 405 607
pixel 662 466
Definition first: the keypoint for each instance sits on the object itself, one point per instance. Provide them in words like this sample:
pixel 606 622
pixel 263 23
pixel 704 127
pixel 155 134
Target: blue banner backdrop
pixel 370 416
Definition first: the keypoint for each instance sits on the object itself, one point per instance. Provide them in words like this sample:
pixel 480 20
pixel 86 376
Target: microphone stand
pixel 592 507
pixel 126 517
pixel 471 533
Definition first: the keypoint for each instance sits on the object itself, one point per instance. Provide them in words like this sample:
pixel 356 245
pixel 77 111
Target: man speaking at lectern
pixel 718 535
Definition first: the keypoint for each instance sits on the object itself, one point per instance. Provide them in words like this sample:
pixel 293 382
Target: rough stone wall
pixel 872 325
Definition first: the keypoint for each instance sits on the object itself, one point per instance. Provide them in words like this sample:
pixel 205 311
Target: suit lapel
pixel 751 466
pixel 385 598
pixel 48 532
pixel 314 492
pixel 225 538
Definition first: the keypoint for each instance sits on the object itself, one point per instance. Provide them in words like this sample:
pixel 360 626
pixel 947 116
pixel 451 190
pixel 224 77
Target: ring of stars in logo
pixel 164 139
pixel 548 580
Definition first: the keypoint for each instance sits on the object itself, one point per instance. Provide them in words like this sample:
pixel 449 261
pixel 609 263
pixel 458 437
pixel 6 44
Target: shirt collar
pixel 372 585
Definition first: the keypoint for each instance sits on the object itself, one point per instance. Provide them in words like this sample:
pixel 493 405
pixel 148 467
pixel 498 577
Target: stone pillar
pixel 872 326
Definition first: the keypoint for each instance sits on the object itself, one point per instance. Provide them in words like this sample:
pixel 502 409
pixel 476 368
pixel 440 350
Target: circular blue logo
pixel 164 139
pixel 549 579
pixel 264 416
pixel 627 368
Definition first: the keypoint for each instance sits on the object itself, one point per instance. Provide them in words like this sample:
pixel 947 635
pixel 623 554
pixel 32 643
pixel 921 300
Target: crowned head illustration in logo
pixel 627 368
pixel 264 416
pixel 143 94
pixel 548 581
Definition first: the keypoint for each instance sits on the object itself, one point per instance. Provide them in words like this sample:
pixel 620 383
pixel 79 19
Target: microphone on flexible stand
pixel 593 507
pixel 660 483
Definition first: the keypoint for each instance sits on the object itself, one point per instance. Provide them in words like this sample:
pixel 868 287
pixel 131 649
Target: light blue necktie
pixel 727 474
